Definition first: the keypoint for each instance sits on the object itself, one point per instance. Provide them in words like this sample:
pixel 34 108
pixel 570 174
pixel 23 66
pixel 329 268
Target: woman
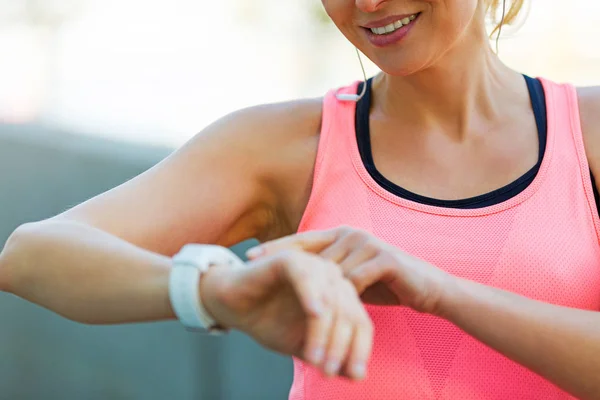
pixel 469 182
pixel 450 156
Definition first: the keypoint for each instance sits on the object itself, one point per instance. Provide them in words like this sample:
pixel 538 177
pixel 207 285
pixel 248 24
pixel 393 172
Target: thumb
pixel 368 274
pixel 312 242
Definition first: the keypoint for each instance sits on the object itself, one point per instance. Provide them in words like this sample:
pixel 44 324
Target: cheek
pixel 459 15
pixel 341 13
pixel 449 21
pixel 336 9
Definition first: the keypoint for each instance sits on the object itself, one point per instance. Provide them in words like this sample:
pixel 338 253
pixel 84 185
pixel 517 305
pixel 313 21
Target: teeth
pixel 394 26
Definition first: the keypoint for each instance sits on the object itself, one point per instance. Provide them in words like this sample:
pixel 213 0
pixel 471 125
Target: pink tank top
pixel 542 243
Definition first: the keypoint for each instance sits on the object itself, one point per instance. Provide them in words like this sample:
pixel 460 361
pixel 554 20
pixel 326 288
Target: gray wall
pixel 43 356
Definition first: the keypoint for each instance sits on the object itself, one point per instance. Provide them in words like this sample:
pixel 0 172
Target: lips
pixel 393 32
pixel 393 26
pixel 387 20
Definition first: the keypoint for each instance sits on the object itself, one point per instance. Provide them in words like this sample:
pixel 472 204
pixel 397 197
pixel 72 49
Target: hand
pixel 381 273
pixel 297 304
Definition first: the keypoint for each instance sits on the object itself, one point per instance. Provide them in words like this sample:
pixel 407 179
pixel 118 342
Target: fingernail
pixel 332 367
pixel 254 252
pixel 358 370
pixel 317 355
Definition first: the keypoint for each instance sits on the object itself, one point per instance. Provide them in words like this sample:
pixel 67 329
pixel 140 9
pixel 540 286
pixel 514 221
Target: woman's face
pixel 407 35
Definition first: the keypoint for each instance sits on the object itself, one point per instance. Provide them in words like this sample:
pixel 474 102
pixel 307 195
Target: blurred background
pixel 93 92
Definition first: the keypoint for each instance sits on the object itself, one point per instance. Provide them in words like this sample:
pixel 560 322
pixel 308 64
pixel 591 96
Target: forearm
pixel 559 343
pixel 85 274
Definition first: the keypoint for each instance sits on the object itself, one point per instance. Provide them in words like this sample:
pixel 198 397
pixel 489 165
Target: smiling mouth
pixel 394 26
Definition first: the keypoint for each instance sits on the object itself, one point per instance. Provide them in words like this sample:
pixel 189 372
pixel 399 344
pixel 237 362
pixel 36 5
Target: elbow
pixel 16 256
pixel 29 266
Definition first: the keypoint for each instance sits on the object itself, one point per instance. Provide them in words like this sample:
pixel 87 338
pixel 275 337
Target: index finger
pixel 312 242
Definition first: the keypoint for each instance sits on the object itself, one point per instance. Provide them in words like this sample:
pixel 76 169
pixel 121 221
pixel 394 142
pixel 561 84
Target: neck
pixel 452 93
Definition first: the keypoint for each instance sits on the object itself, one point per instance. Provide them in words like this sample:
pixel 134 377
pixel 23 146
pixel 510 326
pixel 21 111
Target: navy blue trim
pixel 596 194
pixel 363 137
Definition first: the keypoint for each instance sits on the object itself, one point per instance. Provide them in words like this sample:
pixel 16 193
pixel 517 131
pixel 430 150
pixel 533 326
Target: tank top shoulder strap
pixel 335 148
pixel 564 127
pixel 565 163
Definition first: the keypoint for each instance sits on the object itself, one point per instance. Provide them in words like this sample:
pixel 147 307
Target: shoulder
pixel 281 138
pixel 257 136
pixel 274 145
pixel 271 118
pixel 589 109
pixel 589 106
pixel 264 128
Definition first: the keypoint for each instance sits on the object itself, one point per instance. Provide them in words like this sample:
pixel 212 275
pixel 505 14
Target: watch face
pixel 241 248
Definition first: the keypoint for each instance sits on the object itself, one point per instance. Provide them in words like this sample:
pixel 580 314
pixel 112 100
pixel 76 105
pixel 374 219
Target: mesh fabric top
pixel 542 243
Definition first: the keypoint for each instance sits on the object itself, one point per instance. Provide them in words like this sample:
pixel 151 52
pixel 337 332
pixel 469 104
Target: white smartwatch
pixel 184 284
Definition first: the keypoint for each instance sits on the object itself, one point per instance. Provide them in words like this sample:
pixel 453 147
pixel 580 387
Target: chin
pixel 401 69
pixel 401 65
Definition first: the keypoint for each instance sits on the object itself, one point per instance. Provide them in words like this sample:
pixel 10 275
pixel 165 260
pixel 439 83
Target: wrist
pixel 194 292
pixel 213 287
pixel 450 298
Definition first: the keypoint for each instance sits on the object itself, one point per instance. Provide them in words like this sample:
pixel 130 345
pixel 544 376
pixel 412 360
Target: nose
pixel 370 6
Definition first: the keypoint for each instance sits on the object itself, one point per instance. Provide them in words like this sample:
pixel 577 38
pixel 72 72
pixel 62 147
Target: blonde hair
pixel 503 12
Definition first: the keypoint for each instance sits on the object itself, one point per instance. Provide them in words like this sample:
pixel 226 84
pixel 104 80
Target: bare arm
pixel 107 260
pixel 86 274
pixel 559 343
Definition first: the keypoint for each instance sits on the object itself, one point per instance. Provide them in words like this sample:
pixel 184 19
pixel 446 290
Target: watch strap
pixel 184 284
